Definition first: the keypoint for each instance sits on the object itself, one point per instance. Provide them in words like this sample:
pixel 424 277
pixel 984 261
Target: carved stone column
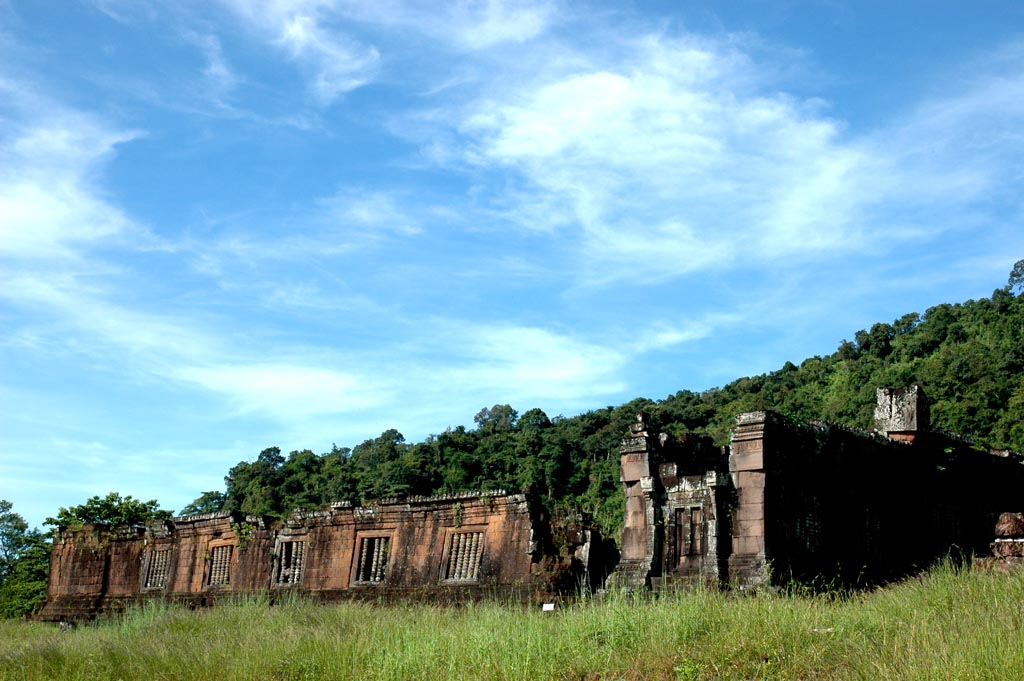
pixel 641 540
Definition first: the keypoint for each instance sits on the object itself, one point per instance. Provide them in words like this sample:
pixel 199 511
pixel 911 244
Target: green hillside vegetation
pixel 946 624
pixel 968 358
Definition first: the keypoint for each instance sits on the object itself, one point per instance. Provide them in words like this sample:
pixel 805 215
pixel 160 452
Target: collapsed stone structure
pixel 785 500
pixel 451 547
pixel 810 502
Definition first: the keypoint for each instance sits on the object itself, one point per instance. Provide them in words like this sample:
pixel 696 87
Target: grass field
pixel 948 624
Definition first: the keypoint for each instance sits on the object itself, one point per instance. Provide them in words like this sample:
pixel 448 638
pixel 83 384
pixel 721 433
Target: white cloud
pixel 466 25
pixel 321 34
pixel 664 335
pixel 218 75
pixel 345 223
pixel 305 31
pixel 49 204
pixel 158 341
pixel 682 158
pixel 286 391
pixel 481 24
pixel 374 210
pixel 525 363
pixel 672 161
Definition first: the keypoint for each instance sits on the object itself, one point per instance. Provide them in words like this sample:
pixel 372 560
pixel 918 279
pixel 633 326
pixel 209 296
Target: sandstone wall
pixel 828 504
pixel 451 547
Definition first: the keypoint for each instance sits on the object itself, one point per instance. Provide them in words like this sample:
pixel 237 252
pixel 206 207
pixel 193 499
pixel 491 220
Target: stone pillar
pixel 748 561
pixel 640 554
pixel 901 413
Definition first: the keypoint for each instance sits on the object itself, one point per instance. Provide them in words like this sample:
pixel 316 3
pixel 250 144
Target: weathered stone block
pixel 635 467
pixel 748 545
pixel 749 480
pixel 1005 549
pixel 749 528
pixel 748 512
pixel 901 410
pixel 1010 525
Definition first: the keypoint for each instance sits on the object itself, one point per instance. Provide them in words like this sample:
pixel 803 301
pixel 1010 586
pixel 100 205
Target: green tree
pixel 255 487
pixel 24 564
pixel 13 529
pixel 113 510
pixel 500 417
pixel 1016 279
pixel 207 502
pixel 23 592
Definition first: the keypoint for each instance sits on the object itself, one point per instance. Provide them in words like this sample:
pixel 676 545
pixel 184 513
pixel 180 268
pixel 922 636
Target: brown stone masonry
pixel 816 503
pixel 451 547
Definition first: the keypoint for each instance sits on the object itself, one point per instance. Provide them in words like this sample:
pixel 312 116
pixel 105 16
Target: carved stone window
pixel 689 532
pixel 156 570
pixel 696 543
pixel 290 562
pixel 464 555
pixel 373 559
pixel 220 565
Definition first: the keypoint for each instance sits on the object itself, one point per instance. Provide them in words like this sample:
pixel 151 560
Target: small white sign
pixel 548 607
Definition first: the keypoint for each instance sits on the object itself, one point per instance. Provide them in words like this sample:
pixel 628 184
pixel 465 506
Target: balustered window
pixel 290 562
pixel 156 571
pixel 373 559
pixel 220 565
pixel 464 555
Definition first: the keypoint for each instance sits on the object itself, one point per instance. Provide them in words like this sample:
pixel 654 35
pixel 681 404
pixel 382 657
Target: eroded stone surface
pixel 816 502
pixel 452 547
pixel 1010 525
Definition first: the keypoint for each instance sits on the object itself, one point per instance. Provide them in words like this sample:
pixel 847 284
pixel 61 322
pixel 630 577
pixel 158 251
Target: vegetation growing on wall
pixel 113 510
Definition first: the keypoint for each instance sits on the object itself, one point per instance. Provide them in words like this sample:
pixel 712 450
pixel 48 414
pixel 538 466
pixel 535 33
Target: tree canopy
pixel 112 509
pixel 24 564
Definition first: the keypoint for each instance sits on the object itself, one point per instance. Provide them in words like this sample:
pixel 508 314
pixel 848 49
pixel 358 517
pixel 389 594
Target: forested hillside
pixel 968 357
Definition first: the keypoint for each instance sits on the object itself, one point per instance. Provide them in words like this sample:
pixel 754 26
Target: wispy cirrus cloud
pixel 351 220
pixel 320 35
pixel 465 25
pixel 372 211
pixel 312 33
pixel 50 204
pixel 528 363
pixel 219 78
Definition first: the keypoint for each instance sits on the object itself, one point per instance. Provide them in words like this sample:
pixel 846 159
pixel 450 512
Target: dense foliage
pixel 24 564
pixel 113 510
pixel 968 358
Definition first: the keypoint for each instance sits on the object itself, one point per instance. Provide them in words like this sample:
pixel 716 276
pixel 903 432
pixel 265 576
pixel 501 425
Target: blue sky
pixel 227 225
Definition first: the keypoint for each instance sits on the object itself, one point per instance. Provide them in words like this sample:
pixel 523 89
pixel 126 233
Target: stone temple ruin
pixel 784 501
pixel 449 548
pixel 811 502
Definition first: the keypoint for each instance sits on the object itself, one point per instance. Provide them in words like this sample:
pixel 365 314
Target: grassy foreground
pixel 948 624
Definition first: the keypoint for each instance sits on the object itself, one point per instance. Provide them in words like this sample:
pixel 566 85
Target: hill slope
pixel 968 357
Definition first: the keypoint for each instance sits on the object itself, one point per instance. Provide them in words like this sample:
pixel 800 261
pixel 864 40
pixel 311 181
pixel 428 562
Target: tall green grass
pixel 947 624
